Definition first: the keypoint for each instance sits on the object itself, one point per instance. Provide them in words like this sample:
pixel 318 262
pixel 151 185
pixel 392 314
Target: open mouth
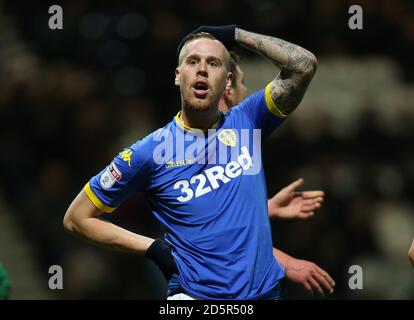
pixel 200 89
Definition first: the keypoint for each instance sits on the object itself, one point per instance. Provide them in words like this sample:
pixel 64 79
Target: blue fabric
pixel 214 212
pixel 274 294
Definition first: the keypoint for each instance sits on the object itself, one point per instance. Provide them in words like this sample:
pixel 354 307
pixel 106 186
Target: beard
pixel 191 102
pixel 199 104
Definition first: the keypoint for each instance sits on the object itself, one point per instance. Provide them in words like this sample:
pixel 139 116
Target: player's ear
pixel 227 97
pixel 177 77
pixel 225 101
pixel 229 79
pixel 228 93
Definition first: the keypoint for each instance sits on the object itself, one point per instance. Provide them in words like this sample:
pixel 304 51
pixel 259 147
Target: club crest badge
pixel 228 137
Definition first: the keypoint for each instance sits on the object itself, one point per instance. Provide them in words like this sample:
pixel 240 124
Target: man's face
pixel 202 75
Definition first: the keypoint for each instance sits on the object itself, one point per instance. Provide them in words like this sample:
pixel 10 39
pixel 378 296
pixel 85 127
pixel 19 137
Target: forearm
pixel 297 67
pixel 287 56
pixel 82 219
pixel 108 235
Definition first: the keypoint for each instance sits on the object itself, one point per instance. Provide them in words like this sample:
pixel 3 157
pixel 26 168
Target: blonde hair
pixel 194 36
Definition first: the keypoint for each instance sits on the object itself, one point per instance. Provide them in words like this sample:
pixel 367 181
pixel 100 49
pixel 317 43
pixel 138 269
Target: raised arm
pixel 297 67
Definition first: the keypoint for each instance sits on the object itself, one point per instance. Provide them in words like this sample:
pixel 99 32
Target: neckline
pixel 188 128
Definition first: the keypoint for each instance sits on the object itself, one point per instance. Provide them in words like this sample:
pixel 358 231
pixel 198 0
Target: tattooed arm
pixel 297 67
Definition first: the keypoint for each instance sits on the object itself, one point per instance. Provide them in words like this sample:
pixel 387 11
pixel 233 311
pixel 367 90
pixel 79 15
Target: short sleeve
pixel 262 111
pixel 128 173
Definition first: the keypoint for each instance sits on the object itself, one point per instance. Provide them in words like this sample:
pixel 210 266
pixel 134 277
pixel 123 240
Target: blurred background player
pixel 411 253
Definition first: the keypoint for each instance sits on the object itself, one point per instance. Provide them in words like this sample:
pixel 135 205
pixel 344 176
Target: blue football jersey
pixel 207 188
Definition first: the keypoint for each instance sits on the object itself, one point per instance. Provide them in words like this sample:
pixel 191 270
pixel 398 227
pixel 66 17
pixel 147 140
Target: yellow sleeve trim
pixel 95 200
pixel 271 105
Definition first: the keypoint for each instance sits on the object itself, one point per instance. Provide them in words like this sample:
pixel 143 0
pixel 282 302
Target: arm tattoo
pixel 297 67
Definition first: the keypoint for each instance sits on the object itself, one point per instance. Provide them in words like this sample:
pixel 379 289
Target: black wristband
pixel 160 253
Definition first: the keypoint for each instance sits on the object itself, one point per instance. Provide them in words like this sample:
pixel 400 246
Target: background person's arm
pixel 289 203
pixel 411 253
pixel 306 273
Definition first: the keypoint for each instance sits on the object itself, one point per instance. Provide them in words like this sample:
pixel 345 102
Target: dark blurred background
pixel 71 99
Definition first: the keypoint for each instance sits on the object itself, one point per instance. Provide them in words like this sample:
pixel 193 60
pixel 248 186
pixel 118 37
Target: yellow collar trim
pixel 181 123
